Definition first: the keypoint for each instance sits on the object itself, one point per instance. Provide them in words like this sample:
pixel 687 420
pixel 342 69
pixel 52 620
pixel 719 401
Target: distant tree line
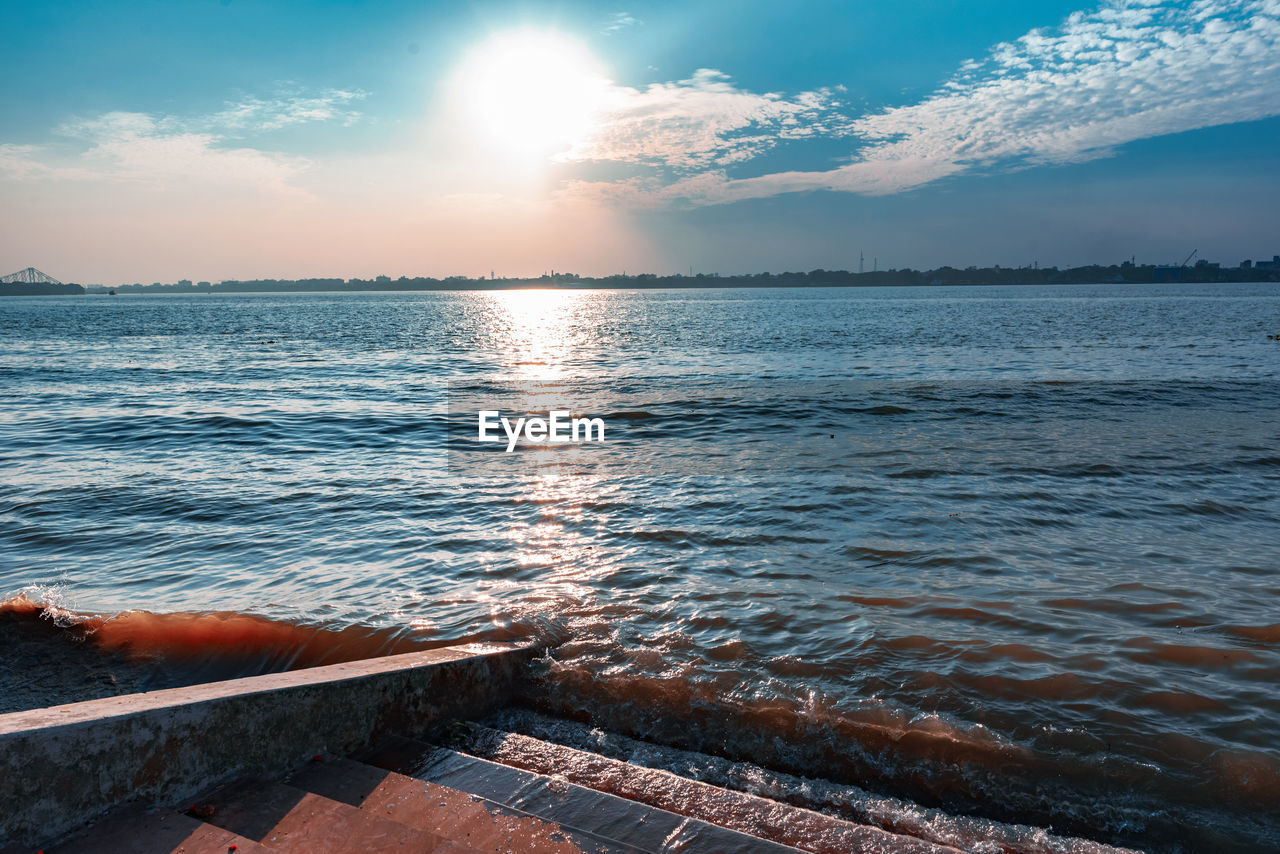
pixel 1127 272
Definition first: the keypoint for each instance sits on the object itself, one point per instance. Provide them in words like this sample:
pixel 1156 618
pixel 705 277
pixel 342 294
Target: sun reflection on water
pixel 554 539
pixel 555 561
pixel 536 330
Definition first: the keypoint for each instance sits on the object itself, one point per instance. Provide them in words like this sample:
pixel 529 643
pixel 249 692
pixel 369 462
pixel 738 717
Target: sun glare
pixel 531 94
pixel 536 327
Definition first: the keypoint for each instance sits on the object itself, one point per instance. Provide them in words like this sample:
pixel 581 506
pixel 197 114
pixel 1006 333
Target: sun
pixel 531 94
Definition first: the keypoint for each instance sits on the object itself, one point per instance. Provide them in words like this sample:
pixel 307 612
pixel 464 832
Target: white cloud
pixel 289 107
pixel 619 21
pixel 21 162
pixel 703 121
pixel 1129 70
pixel 183 152
pixel 124 147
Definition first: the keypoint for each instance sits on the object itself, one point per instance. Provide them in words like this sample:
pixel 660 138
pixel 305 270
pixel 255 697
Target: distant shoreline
pixel 1126 274
pixel 39 289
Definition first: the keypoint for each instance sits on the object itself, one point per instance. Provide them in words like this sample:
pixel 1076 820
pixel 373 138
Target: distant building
pixel 1273 264
pixel 1246 265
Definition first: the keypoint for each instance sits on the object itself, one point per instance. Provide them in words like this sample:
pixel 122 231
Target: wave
pixel 930 759
pixel 55 655
pixel 271 644
pixel 846 801
pixel 1259 634
pixel 1069 780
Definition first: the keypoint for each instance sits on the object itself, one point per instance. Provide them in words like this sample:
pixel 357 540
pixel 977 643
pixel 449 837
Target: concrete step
pixel 756 816
pixel 65 765
pixel 443 812
pixel 586 815
pixel 136 831
pixel 845 801
pixel 284 818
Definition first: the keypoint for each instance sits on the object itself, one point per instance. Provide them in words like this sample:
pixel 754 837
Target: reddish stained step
pixel 443 812
pixel 288 819
pixel 134 831
pixel 593 819
pixel 468 819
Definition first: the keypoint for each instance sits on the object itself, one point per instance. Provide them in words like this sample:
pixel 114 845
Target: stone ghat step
pixel 841 800
pixel 287 819
pixel 342 806
pixel 64 766
pixel 258 817
pixel 134 831
pixel 499 792
pixel 437 810
pixel 332 807
pixel 604 822
pixel 785 824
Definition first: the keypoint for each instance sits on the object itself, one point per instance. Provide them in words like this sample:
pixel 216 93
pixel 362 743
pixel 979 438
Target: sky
pixel 233 139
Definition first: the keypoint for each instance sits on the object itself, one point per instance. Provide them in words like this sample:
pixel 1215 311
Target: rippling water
pixel 1008 551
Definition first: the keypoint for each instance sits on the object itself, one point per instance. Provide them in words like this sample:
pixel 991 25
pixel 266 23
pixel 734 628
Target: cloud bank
pixel 1129 70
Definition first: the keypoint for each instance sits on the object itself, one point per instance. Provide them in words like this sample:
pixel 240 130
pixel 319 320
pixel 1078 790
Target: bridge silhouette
pixel 29 276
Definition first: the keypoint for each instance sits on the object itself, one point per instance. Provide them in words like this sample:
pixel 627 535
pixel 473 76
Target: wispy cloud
pixel 137 147
pixel 703 121
pixel 25 163
pixel 291 106
pixel 182 151
pixel 1129 70
pixel 619 21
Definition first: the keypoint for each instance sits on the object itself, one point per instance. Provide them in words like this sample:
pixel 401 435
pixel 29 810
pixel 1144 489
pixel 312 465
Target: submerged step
pixel 841 800
pixel 750 814
pixel 622 824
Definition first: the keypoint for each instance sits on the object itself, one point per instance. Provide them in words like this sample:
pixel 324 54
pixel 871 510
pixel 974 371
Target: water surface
pixel 1009 551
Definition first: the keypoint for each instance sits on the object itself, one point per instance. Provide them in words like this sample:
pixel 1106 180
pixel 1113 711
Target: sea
pixel 1011 553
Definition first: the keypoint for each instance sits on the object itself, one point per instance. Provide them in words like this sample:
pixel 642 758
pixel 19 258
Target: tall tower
pixel 861 259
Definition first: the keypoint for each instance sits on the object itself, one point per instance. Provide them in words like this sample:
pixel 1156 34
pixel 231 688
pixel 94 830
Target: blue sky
pixel 155 141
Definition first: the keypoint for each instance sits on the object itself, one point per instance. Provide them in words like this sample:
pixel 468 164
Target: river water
pixel 1012 552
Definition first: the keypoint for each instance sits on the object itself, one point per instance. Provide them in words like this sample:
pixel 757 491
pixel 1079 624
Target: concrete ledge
pixel 63 766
